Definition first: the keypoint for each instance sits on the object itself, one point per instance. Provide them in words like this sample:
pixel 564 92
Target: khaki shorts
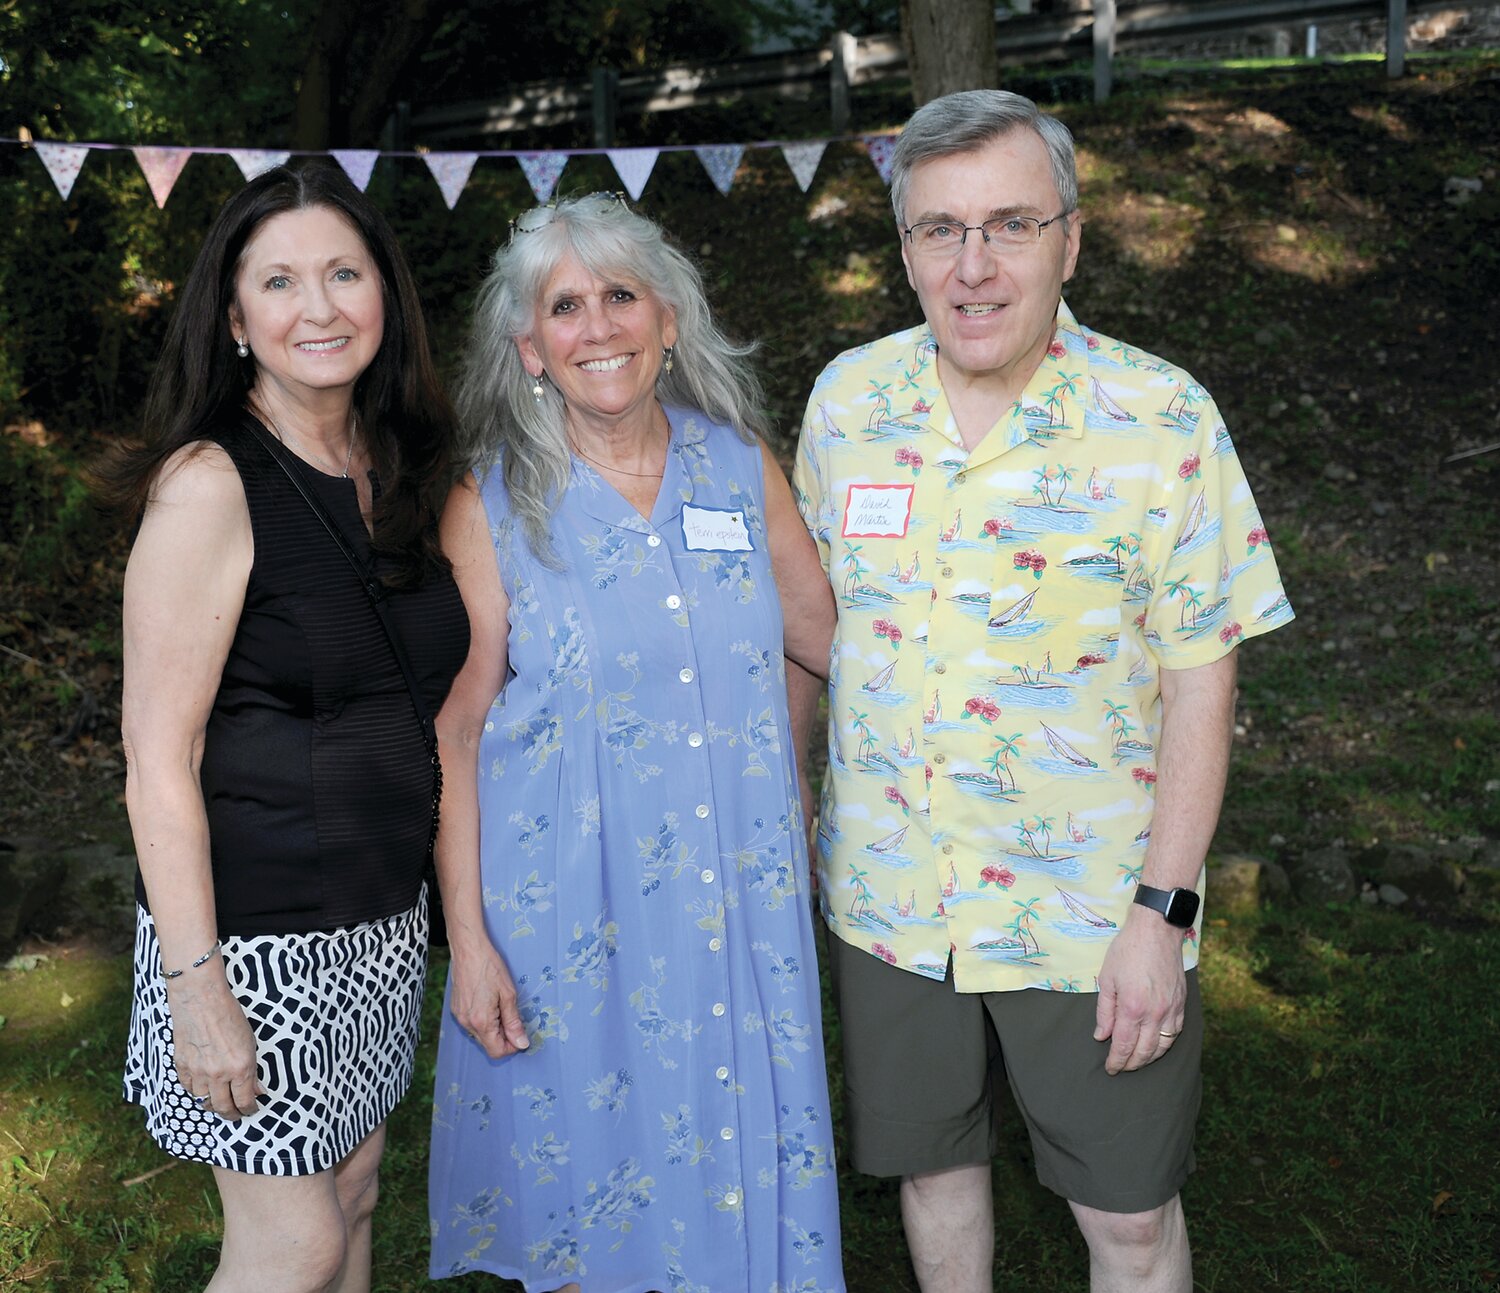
pixel 923 1066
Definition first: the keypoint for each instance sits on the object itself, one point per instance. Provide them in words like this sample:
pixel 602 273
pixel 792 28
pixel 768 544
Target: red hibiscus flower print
pixel 894 796
pixel 1057 350
pixel 1189 470
pixel 1028 559
pixel 884 953
pixel 999 875
pixel 887 630
pixel 921 406
pixel 992 527
pixel 1145 776
pixel 1231 631
pixel 906 457
pixel 1093 342
pixel 1256 537
pixel 1084 661
pixel 982 708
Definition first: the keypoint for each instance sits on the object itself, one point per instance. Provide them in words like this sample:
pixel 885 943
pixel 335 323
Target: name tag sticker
pixel 714 529
pixel 877 511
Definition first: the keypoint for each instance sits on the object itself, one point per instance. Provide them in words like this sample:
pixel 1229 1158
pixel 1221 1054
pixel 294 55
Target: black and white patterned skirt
pixel 335 1018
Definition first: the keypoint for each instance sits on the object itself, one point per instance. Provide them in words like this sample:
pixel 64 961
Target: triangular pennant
pixel 634 167
pixel 721 161
pixel 880 148
pixel 451 171
pixel 542 171
pixel 162 167
pixel 253 161
pixel 63 162
pixel 358 164
pixel 804 159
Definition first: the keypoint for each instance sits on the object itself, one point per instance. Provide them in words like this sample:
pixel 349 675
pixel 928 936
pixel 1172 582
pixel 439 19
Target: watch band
pixel 1178 907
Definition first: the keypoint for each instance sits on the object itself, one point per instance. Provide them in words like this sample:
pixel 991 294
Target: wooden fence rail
pixel 850 62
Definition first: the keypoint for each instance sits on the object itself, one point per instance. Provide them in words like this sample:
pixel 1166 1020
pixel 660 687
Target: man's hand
pixel 1142 992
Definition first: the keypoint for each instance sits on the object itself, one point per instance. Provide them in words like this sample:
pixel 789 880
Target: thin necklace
pixel 643 475
pixel 348 453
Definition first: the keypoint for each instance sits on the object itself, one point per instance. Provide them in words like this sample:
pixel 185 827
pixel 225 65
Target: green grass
pixel 1346 1140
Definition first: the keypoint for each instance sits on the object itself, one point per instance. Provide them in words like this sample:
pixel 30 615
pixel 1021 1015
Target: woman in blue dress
pixel 630 1091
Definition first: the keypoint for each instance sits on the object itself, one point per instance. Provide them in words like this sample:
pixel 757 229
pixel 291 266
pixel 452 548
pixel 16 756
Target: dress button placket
pixel 716 971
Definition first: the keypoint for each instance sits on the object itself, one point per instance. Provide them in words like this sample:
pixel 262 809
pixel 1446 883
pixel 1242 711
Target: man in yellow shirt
pixel 1045 555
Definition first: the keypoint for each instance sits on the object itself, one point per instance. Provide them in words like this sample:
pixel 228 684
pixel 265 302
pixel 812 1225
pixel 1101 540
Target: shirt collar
pixel 1052 405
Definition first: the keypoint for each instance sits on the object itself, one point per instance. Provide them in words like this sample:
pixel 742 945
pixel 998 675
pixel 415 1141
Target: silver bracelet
pixel 202 960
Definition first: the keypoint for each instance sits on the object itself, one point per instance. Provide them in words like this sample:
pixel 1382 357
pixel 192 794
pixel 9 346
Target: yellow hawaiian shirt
pixel 1004 613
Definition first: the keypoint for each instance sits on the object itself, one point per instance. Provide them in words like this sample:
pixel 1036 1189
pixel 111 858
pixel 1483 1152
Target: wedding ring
pixel 205 1100
pixel 1166 1034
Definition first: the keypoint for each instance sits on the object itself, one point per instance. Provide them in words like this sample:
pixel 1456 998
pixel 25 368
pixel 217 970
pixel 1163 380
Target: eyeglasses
pixel 1006 233
pixel 540 217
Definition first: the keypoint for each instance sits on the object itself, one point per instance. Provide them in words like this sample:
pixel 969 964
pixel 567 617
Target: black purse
pixel 376 592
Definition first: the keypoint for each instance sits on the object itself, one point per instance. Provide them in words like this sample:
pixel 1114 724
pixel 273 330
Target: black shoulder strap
pixel 374 589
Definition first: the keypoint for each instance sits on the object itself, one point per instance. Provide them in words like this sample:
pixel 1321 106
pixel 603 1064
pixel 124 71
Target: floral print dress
pixel 645 878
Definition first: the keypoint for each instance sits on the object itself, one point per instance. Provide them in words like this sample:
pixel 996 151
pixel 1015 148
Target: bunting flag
pixel 542 171
pixel 880 148
pixel 451 171
pixel 63 162
pixel 634 167
pixel 358 164
pixel 254 161
pixel 804 159
pixel 162 167
pixel 721 161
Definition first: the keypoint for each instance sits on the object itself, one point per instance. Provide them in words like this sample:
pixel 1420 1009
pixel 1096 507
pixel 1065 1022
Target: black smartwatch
pixel 1178 907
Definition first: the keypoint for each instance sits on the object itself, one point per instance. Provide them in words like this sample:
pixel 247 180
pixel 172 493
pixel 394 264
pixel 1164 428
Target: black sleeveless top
pixel 316 776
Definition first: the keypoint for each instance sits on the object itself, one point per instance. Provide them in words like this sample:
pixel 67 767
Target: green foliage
pixel 141 73
pixel 48 522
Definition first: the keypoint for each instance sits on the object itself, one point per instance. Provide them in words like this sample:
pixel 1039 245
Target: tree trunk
pixel 316 120
pixel 407 31
pixel 950 45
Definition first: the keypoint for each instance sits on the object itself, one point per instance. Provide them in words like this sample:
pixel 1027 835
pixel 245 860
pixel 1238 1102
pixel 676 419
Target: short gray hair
pixel 969 119
pixel 502 419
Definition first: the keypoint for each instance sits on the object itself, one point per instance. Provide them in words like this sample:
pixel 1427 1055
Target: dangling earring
pixel 538 390
pixel 243 349
pixel 666 359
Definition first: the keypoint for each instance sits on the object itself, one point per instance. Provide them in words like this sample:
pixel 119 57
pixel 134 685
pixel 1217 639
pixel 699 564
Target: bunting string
pixel 162 165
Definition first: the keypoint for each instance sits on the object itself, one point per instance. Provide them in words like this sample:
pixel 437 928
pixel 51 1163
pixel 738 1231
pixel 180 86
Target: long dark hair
pixel 200 383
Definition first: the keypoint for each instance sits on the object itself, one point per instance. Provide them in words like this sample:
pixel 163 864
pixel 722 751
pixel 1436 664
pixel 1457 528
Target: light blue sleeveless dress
pixel 646 880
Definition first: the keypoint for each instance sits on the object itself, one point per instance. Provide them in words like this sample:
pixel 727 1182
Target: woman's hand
pixel 483 1001
pixel 213 1044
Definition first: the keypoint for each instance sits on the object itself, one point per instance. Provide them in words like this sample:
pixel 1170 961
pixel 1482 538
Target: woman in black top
pixel 280 781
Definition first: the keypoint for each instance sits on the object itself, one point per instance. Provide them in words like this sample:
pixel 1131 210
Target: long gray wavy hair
pixel 503 421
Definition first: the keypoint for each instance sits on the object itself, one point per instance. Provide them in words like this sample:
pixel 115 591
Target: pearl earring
pixel 666 359
pixel 243 349
pixel 538 390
